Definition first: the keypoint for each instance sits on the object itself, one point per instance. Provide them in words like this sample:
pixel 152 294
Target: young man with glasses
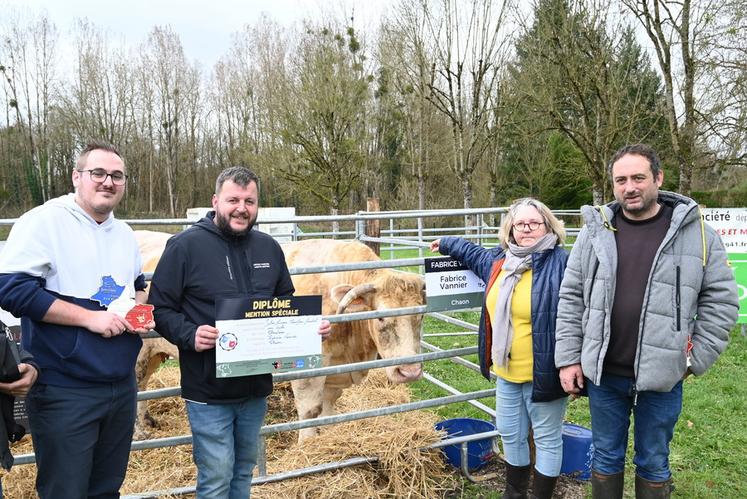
pixel 63 266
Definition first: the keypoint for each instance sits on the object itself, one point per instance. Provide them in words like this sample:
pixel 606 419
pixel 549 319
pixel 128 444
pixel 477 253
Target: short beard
pixel 224 225
pixel 645 206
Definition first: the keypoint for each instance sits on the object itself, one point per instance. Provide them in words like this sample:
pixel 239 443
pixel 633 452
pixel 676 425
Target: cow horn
pixel 354 293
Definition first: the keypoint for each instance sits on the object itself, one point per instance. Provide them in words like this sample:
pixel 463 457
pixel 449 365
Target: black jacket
pixel 198 266
pixel 9 361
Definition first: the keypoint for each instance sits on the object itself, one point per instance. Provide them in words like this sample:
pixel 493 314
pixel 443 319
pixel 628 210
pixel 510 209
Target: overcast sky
pixel 204 26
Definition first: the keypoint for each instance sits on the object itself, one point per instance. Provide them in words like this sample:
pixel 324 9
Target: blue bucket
pixel 577 452
pixel 479 452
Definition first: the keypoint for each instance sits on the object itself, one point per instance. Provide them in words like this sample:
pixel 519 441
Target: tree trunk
pixel 334 211
pixel 597 193
pixel 469 220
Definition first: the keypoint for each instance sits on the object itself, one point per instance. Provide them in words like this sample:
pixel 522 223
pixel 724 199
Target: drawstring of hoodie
pixel 607 225
pixel 702 236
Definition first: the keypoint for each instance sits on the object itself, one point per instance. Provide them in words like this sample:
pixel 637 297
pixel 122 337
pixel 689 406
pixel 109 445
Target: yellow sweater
pixel 521 361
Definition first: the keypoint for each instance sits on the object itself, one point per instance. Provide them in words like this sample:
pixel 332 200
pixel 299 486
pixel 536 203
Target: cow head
pixel 393 336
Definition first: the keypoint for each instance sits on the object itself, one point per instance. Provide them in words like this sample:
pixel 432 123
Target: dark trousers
pixel 655 414
pixel 81 438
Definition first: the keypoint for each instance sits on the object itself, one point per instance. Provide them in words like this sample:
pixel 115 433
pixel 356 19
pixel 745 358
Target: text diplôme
pixel 271 308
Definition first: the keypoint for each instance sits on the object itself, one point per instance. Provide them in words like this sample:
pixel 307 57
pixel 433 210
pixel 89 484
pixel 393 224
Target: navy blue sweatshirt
pixel 198 266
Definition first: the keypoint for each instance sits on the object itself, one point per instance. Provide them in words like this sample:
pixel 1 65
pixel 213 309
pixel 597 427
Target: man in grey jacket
pixel 647 299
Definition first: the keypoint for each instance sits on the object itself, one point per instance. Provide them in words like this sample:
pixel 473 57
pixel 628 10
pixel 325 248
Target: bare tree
pixel 470 51
pixel 246 102
pixel 578 72
pixel 175 81
pixel 27 65
pixel 679 32
pixel 405 52
pixel 722 91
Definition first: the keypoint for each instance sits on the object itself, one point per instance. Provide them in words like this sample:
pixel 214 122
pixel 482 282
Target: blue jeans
pixel 515 411
pixel 655 414
pixel 81 438
pixel 225 443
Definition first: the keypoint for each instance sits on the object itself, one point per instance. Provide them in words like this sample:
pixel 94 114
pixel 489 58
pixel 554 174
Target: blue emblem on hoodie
pixel 108 292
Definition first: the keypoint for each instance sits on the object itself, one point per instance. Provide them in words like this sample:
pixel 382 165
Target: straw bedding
pixel 401 470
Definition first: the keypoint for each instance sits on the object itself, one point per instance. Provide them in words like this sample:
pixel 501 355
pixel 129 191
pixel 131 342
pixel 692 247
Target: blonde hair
pixel 552 223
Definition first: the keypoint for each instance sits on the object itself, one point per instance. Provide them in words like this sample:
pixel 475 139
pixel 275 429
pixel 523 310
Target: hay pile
pixel 402 470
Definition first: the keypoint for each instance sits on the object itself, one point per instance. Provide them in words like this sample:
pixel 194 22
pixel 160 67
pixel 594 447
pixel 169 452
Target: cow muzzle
pixel 406 373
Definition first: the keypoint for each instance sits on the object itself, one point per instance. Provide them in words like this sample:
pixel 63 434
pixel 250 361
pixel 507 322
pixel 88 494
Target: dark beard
pixel 224 225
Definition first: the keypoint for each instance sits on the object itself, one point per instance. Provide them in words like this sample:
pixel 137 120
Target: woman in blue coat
pixel 517 338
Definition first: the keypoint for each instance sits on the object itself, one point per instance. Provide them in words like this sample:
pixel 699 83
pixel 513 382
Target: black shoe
pixel 646 489
pixel 543 486
pixel 517 481
pixel 607 486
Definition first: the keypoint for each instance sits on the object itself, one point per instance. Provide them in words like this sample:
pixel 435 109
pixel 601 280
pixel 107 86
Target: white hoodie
pixel 61 243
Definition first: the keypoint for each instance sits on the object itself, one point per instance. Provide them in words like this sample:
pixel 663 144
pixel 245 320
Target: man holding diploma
pixel 219 257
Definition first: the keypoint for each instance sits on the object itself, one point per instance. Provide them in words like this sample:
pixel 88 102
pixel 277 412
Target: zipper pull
pixel 635 397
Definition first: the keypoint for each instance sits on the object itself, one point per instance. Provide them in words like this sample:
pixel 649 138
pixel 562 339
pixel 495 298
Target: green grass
pixel 461 378
pixel 708 453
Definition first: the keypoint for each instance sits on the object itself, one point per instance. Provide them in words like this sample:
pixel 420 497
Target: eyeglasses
pixel 99 175
pixel 521 226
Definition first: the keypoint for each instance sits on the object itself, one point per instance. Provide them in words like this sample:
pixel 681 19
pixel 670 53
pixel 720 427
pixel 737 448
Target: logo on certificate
pixel 228 341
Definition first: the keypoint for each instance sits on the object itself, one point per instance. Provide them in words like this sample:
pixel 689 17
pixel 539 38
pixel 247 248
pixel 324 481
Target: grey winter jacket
pixel 691 293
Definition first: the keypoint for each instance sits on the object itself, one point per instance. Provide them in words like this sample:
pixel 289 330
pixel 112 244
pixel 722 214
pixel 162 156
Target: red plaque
pixel 140 315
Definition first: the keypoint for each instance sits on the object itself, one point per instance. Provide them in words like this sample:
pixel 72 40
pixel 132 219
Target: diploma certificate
pixel 258 336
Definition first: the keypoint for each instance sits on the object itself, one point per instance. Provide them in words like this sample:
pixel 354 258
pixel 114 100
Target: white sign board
pixel 450 285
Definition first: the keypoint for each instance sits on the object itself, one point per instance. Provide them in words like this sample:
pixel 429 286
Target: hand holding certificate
pixel 258 336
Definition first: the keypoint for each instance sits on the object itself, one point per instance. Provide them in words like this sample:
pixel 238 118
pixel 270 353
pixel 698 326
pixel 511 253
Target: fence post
pixel 373 226
pixel 360 227
pixel 479 219
pixel 391 234
pixel 420 236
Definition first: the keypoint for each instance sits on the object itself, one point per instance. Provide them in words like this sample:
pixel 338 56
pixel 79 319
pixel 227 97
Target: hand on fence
pixel 435 245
